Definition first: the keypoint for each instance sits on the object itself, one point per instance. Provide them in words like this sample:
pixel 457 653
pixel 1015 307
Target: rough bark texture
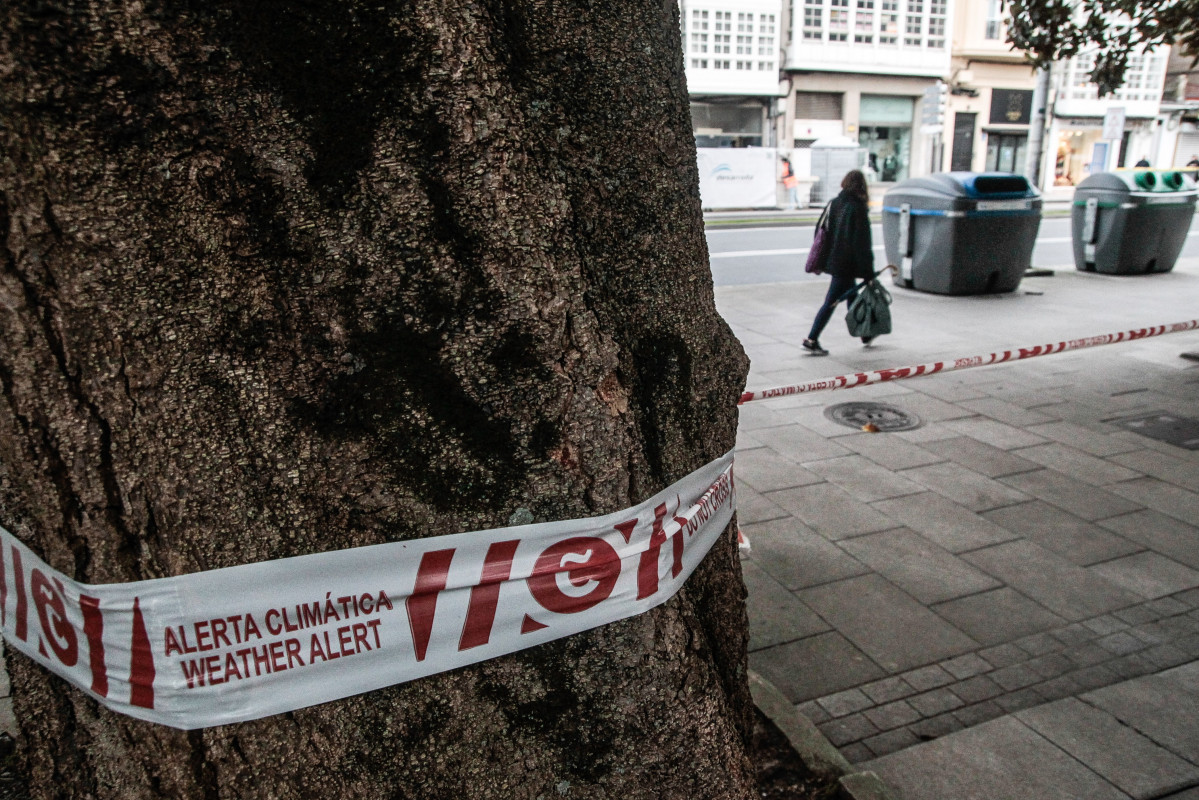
pixel 281 278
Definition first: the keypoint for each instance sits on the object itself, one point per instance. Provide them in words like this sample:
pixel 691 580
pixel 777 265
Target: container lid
pixel 973 185
pixel 1139 180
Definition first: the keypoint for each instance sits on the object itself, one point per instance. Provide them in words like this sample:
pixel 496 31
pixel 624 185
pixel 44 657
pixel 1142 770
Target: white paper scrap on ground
pixel 236 644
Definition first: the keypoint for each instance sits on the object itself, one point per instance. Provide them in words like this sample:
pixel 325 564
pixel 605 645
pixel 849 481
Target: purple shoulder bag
pixel 818 255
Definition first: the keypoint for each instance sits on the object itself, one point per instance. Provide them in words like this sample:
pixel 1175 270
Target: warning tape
pixel 235 644
pixel 899 373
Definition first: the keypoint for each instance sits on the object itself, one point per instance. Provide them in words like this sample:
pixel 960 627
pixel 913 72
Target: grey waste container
pixel 1130 223
pixel 961 232
pixel 832 157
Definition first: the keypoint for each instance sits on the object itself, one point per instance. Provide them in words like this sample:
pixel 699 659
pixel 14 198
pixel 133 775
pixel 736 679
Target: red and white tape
pixel 899 373
pixel 228 645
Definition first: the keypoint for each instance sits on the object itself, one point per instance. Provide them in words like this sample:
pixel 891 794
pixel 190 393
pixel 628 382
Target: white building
pixel 731 50
pixel 1076 145
pixel 764 74
pixel 860 68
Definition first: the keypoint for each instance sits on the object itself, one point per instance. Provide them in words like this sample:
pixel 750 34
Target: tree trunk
pixel 283 278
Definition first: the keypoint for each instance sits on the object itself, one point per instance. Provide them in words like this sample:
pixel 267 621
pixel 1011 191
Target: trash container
pixel 832 157
pixel 961 232
pixel 1133 222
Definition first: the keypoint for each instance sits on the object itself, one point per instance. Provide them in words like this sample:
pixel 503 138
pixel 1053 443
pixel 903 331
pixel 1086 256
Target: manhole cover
pixel 1171 428
pixel 887 419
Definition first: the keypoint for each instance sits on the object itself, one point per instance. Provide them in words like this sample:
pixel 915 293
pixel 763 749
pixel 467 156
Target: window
pixel 863 28
pixel 699 63
pixel 745 45
pixel 718 64
pixel 1141 78
pixel 1005 152
pixel 936 23
pixel 745 65
pixel 993 20
pixel 838 25
pixel 813 13
pixel 888 22
pixel 766 23
pixel 699 20
pixel 724 20
pixel 766 46
pixel 1081 79
pixel 863 22
pixel 699 43
pixel 727 125
pixel 936 31
pixel 915 6
pixel 838 20
pixel 745 23
pixel 912 28
pixel 765 66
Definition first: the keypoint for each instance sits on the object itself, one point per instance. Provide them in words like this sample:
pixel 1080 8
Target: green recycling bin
pixel 1132 222
pixel 961 232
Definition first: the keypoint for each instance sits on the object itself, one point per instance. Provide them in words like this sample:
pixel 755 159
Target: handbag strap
pixel 823 221
pixel 857 287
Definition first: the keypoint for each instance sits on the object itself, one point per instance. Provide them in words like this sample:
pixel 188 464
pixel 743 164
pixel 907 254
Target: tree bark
pixel 283 278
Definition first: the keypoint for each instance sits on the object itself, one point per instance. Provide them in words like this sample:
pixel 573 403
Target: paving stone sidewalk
pixel 1022 549
pixel 902 710
pixel 1135 739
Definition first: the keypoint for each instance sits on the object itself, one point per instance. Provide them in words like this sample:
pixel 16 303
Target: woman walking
pixel 851 252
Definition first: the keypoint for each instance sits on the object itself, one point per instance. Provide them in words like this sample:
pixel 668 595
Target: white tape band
pixel 229 645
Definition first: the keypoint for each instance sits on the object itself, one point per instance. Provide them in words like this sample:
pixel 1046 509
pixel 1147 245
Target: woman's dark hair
pixel 854 182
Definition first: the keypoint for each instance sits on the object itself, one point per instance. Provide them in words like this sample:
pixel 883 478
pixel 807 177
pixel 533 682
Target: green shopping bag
pixel 869 312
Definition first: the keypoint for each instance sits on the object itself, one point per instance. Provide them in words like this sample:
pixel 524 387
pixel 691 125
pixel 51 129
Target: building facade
pixel 991 94
pixel 731 50
pixel 920 86
pixel 1078 143
pixel 860 69
pixel 1180 111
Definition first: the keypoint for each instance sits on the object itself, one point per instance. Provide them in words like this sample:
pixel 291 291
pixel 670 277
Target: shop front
pixel 1078 153
pixel 1006 132
pixel 728 124
pixel 1005 151
pixel 885 131
pixel 1080 149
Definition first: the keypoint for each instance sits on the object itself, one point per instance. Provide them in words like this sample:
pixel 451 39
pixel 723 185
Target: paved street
pixel 1003 602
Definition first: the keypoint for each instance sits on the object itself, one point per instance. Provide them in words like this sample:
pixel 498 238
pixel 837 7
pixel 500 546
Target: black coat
pixel 851 251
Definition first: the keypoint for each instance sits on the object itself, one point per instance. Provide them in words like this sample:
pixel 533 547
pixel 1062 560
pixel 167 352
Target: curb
pixel 816 752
